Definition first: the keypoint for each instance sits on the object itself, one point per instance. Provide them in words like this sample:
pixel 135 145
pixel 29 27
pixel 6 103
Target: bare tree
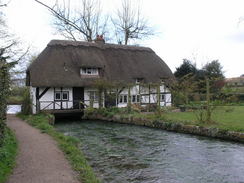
pixel 130 24
pixel 83 23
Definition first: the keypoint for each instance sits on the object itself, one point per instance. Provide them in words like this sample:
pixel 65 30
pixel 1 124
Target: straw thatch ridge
pixel 60 62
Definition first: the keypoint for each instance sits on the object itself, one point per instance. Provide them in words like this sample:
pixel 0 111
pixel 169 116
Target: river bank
pixel 125 153
pixel 212 132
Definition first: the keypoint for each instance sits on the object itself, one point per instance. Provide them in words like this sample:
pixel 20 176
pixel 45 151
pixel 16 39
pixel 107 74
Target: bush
pixel 8 152
pixel 26 108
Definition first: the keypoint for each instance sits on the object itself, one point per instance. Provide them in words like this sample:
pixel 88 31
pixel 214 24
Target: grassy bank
pixel 69 145
pixel 224 117
pixel 7 155
pixel 229 118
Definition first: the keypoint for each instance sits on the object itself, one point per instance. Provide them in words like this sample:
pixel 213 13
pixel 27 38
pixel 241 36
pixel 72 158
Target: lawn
pixel 227 117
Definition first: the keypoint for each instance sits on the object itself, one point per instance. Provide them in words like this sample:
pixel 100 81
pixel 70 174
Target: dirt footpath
pixel 39 160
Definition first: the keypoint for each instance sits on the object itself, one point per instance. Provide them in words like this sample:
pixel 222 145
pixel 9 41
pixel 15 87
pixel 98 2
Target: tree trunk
pixel 129 100
pixel 208 117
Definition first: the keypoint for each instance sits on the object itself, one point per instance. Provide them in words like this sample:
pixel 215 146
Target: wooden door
pixel 78 96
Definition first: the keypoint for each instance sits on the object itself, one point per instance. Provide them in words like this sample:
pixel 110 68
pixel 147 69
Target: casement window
pixel 89 71
pixel 61 95
pixel 123 99
pixel 135 98
pixel 93 95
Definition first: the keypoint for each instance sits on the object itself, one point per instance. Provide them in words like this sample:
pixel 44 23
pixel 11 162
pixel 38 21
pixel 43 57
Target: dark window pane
pixel 65 96
pixel 133 98
pixel 162 98
pixel 138 98
pixel 58 96
pixel 125 98
pixel 120 99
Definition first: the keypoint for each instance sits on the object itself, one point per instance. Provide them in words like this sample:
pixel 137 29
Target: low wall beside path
pixel 171 126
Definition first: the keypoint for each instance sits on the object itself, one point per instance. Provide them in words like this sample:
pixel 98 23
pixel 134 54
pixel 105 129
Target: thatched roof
pixel 60 62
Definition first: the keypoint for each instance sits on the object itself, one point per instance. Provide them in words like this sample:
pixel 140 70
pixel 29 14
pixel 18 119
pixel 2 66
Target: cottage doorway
pixel 110 99
pixel 78 97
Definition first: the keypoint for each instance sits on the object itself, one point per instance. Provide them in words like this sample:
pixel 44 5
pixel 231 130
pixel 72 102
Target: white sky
pixel 199 30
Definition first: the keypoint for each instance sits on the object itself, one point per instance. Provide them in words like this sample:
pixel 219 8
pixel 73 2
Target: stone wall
pixel 176 127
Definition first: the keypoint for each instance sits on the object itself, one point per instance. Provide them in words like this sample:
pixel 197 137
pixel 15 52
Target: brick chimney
pixel 100 39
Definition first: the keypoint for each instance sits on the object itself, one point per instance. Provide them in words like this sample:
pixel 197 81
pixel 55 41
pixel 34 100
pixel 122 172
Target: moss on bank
pixel 184 125
pixel 69 145
pixel 7 155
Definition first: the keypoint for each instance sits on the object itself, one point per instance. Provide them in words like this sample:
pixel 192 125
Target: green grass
pixel 226 117
pixel 15 100
pixel 7 155
pixel 69 145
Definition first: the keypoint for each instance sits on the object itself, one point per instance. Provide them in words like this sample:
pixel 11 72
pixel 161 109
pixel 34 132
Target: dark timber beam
pixel 37 100
pixel 43 93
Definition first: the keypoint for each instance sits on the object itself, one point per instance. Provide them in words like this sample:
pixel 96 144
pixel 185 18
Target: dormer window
pixel 89 71
pixel 139 80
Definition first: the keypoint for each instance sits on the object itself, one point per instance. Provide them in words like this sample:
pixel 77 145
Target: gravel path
pixel 39 160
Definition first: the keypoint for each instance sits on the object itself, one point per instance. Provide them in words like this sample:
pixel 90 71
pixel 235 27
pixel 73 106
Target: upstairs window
pixel 139 80
pixel 89 71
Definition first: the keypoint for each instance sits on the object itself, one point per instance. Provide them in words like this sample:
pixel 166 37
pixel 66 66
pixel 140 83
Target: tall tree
pixel 83 23
pixel 186 68
pixel 130 24
pixel 214 70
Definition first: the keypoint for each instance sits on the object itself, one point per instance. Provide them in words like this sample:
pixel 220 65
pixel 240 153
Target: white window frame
pixel 61 95
pixel 123 98
pixel 137 99
pixel 89 71
pixel 57 92
pixel 65 92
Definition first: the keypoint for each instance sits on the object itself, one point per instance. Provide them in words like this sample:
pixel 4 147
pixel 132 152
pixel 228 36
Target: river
pixel 121 153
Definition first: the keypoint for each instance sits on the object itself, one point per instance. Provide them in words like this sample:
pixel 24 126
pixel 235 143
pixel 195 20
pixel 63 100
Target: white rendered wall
pixel 47 100
pixel 33 98
pixel 145 98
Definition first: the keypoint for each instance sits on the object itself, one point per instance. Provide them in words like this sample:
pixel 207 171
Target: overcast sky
pixel 199 30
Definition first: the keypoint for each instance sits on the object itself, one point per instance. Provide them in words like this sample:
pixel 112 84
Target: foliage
pixel 26 107
pixel 8 153
pixel 16 95
pixel 214 70
pixel 10 54
pixel 186 68
pixel 69 145
pixel 109 112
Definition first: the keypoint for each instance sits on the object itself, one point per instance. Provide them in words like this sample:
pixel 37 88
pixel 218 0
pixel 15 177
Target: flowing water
pixel 121 153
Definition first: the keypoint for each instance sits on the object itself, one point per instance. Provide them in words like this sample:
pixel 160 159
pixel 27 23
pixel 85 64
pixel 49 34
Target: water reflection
pixel 124 154
pixel 13 109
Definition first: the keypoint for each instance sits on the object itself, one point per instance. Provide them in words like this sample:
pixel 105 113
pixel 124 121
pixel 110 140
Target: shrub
pixel 27 103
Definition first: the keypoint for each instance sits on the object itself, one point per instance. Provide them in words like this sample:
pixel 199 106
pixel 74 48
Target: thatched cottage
pixel 64 75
